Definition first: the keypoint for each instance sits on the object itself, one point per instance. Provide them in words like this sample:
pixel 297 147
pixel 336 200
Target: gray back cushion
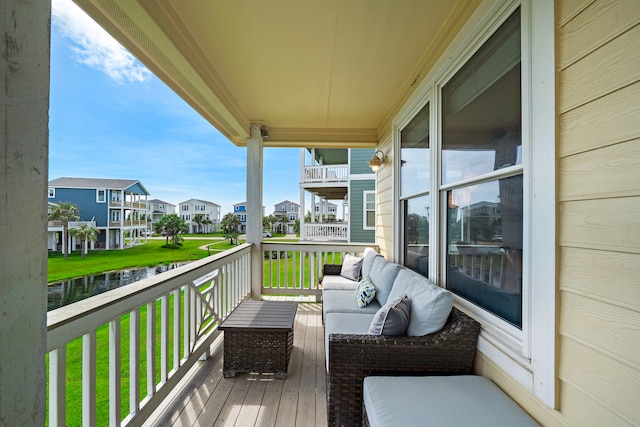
pixel 368 257
pixel 430 304
pixel 382 275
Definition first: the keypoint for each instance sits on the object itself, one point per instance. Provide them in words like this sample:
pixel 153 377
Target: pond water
pixel 73 290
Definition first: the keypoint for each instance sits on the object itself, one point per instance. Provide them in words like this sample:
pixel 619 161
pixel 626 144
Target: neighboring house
pixel 118 207
pixel 240 210
pixel 287 213
pixel 156 209
pixel 341 175
pixel 208 212
pixel 55 230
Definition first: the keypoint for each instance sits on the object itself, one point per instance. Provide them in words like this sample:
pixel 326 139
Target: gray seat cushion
pixel 338 282
pixel 345 323
pixel 339 301
pixel 463 400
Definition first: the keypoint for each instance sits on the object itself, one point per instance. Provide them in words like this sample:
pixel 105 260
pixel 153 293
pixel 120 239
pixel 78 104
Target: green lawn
pixel 146 255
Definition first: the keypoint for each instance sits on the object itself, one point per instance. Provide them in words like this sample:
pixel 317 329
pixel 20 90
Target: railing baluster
pixel 176 329
pixel 185 326
pixel 164 338
pixel 151 348
pixel 89 379
pixel 134 361
pixel 58 387
pixel 114 373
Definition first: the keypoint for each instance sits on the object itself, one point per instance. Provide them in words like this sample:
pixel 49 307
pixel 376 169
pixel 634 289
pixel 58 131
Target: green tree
pixel 230 224
pixel 296 226
pixel 65 212
pixel 198 220
pixel 84 233
pixel 171 226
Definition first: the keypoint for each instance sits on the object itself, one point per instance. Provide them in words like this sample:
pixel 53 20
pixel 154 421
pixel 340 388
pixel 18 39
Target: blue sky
pixel 110 117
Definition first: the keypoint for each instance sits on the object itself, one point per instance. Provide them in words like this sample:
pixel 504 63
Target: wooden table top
pixel 276 316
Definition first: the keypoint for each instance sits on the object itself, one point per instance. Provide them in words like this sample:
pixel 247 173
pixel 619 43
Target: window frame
pixel 365 210
pixel 527 355
pixel 52 193
pixel 102 199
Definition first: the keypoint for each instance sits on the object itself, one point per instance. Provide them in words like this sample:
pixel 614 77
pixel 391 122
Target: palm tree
pixel 65 212
pixel 283 219
pixel 230 224
pixel 198 220
pixel 172 225
pixel 85 232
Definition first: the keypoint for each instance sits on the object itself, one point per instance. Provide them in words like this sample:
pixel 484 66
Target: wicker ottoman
pixel 258 337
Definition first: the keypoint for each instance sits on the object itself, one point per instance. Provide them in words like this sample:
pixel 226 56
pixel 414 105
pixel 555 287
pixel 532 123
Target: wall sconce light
pixel 378 161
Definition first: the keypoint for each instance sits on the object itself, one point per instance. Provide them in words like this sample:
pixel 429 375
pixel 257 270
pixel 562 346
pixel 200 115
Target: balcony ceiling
pixel 316 73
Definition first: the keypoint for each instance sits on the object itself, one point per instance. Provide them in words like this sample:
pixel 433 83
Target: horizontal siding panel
pixel 607 224
pixel 606 121
pixel 600 23
pixel 612 171
pixel 614 384
pixel 612 66
pixel 583 410
pixel 567 9
pixel 609 276
pixel 611 329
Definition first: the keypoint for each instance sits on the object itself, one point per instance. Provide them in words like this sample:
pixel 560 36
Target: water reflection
pixel 69 291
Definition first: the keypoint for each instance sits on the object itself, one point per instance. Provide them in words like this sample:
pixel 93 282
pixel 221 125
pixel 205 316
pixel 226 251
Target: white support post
pixel 254 207
pixel 24 119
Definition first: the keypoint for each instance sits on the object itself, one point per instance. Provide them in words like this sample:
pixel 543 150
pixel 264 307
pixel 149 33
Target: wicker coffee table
pixel 258 337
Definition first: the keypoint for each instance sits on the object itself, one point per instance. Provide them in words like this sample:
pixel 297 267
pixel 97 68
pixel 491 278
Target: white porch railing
pixel 326 173
pixel 327 232
pixel 296 268
pixel 182 307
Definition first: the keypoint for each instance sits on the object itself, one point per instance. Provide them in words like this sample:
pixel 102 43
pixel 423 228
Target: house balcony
pixel 72 224
pixel 128 223
pixel 325 174
pixel 127 204
pixel 333 232
pixel 151 353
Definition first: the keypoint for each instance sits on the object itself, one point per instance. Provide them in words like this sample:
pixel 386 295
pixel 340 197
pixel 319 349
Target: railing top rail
pixel 85 315
pixel 318 246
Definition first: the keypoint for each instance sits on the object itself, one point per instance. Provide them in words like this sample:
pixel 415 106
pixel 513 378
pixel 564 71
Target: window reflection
pixel 482 109
pixel 484 236
pixel 414 154
pixel 416 238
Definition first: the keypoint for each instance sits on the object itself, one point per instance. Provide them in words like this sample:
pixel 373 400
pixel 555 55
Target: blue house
pixel 240 210
pixel 116 206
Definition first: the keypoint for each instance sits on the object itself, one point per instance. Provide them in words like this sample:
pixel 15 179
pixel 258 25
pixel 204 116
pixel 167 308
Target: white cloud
pixel 93 46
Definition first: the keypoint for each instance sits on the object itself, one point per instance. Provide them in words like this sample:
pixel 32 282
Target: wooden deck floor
pixel 206 398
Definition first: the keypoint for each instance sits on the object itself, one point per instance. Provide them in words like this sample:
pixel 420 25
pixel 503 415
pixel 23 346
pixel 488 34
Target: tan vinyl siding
pixel 384 200
pixel 599 211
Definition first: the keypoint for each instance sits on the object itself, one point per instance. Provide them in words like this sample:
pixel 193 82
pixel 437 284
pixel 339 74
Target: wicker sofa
pixel 353 354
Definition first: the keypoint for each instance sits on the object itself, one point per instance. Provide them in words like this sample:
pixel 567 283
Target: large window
pixel 479 184
pixel 481 178
pixel 476 209
pixel 101 196
pixel 415 182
